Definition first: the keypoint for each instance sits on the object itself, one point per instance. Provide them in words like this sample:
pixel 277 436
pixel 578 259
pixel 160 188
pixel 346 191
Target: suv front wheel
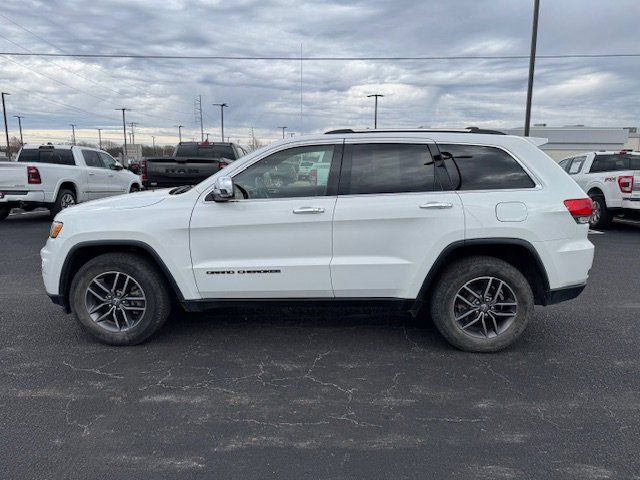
pixel 120 298
pixel 481 304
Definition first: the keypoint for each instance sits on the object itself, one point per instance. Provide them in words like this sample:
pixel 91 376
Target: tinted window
pixel 576 165
pixel 53 155
pixel 205 151
pixel 610 163
pixel 634 162
pixel 276 176
pixel 389 168
pixel 475 167
pixel 92 159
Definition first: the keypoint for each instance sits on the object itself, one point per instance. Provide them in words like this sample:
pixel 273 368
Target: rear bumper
pixel 563 294
pixel 15 198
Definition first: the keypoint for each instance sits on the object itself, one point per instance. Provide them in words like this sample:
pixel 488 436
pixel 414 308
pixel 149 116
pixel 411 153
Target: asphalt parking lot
pixel 320 394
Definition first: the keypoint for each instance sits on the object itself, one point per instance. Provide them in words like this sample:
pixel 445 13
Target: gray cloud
pixel 266 94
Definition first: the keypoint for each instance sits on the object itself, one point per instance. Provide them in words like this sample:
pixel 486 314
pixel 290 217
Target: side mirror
pixel 117 166
pixel 223 189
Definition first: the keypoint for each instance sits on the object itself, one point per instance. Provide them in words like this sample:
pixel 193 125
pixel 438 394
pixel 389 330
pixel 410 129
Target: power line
pixel 319 58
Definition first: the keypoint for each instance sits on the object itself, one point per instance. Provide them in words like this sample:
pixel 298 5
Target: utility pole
pixel 153 141
pixel 221 105
pixel 283 129
pixel 207 134
pixel 375 111
pixel 180 133
pixel 133 134
pixel 532 66
pixel 201 124
pixel 19 117
pixel 73 133
pixel 253 139
pixel 124 133
pixel 100 138
pixel 6 126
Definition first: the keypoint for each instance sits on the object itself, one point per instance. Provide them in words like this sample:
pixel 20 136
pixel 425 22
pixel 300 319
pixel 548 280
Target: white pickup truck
pixel 58 176
pixel 611 179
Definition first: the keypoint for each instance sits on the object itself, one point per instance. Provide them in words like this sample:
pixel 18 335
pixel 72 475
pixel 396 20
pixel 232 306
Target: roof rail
pixel 483 131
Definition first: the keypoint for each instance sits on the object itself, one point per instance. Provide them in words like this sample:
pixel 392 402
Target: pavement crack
pixel 97 371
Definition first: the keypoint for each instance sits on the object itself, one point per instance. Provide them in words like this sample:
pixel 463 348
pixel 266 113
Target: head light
pixel 56 228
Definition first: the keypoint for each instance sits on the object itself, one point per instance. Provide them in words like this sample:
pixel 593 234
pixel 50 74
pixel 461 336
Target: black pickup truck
pixel 191 163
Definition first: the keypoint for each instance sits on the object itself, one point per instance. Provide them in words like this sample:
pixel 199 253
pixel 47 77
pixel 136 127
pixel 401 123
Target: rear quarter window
pixel 54 155
pixel 476 167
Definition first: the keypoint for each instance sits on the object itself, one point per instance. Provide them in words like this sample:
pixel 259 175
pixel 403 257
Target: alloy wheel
pixel 485 307
pixel 67 200
pixel 597 212
pixel 115 301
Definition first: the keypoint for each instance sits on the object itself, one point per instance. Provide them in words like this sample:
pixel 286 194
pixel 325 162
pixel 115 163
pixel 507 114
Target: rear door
pixel 392 219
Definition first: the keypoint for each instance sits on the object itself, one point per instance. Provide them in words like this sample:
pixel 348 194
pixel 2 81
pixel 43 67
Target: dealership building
pixel 563 142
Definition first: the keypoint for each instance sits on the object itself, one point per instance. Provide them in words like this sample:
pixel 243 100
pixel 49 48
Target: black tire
pixel 453 280
pixel 62 201
pixel 602 217
pixel 152 285
pixel 4 212
pixel 134 188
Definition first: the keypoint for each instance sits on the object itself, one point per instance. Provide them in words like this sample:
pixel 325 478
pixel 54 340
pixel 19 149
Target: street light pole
pixel 19 117
pixel 6 126
pixel 375 111
pixel 73 133
pixel 124 133
pixel 221 105
pixel 283 129
pixel 532 65
pixel 179 133
pixel 100 138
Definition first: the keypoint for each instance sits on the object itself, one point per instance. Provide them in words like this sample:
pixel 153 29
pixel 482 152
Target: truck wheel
pixel 601 217
pixel 66 198
pixel 4 212
pixel 119 298
pixel 481 304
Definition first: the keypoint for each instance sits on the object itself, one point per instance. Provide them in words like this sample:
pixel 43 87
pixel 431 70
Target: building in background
pixel 633 142
pixel 567 141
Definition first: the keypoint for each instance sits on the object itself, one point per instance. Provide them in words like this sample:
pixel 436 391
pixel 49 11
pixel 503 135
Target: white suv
pixel 611 179
pixel 474 228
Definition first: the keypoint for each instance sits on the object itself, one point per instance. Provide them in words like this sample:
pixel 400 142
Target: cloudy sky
pixel 53 92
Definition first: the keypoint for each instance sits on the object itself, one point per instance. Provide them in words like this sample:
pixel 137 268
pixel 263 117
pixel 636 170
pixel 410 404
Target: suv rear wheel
pixel 4 212
pixel 481 304
pixel 120 298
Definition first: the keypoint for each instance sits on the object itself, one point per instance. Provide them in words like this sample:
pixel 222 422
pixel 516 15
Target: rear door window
pixel 92 159
pixel 610 163
pixel 49 155
pixel 477 167
pixel 387 168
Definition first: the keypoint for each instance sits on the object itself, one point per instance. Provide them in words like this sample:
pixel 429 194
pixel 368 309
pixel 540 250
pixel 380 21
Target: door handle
pixel 308 210
pixel 436 205
pixel 111 175
pixel 91 174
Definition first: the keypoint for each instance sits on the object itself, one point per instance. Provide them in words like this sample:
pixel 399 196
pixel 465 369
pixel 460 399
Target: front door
pixel 274 239
pixel 97 175
pixel 392 220
pixel 117 180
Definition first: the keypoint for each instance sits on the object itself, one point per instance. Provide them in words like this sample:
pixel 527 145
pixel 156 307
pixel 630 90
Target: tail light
pixel 625 183
pixel 143 170
pixel 33 176
pixel 222 164
pixel 580 209
pixel 313 176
